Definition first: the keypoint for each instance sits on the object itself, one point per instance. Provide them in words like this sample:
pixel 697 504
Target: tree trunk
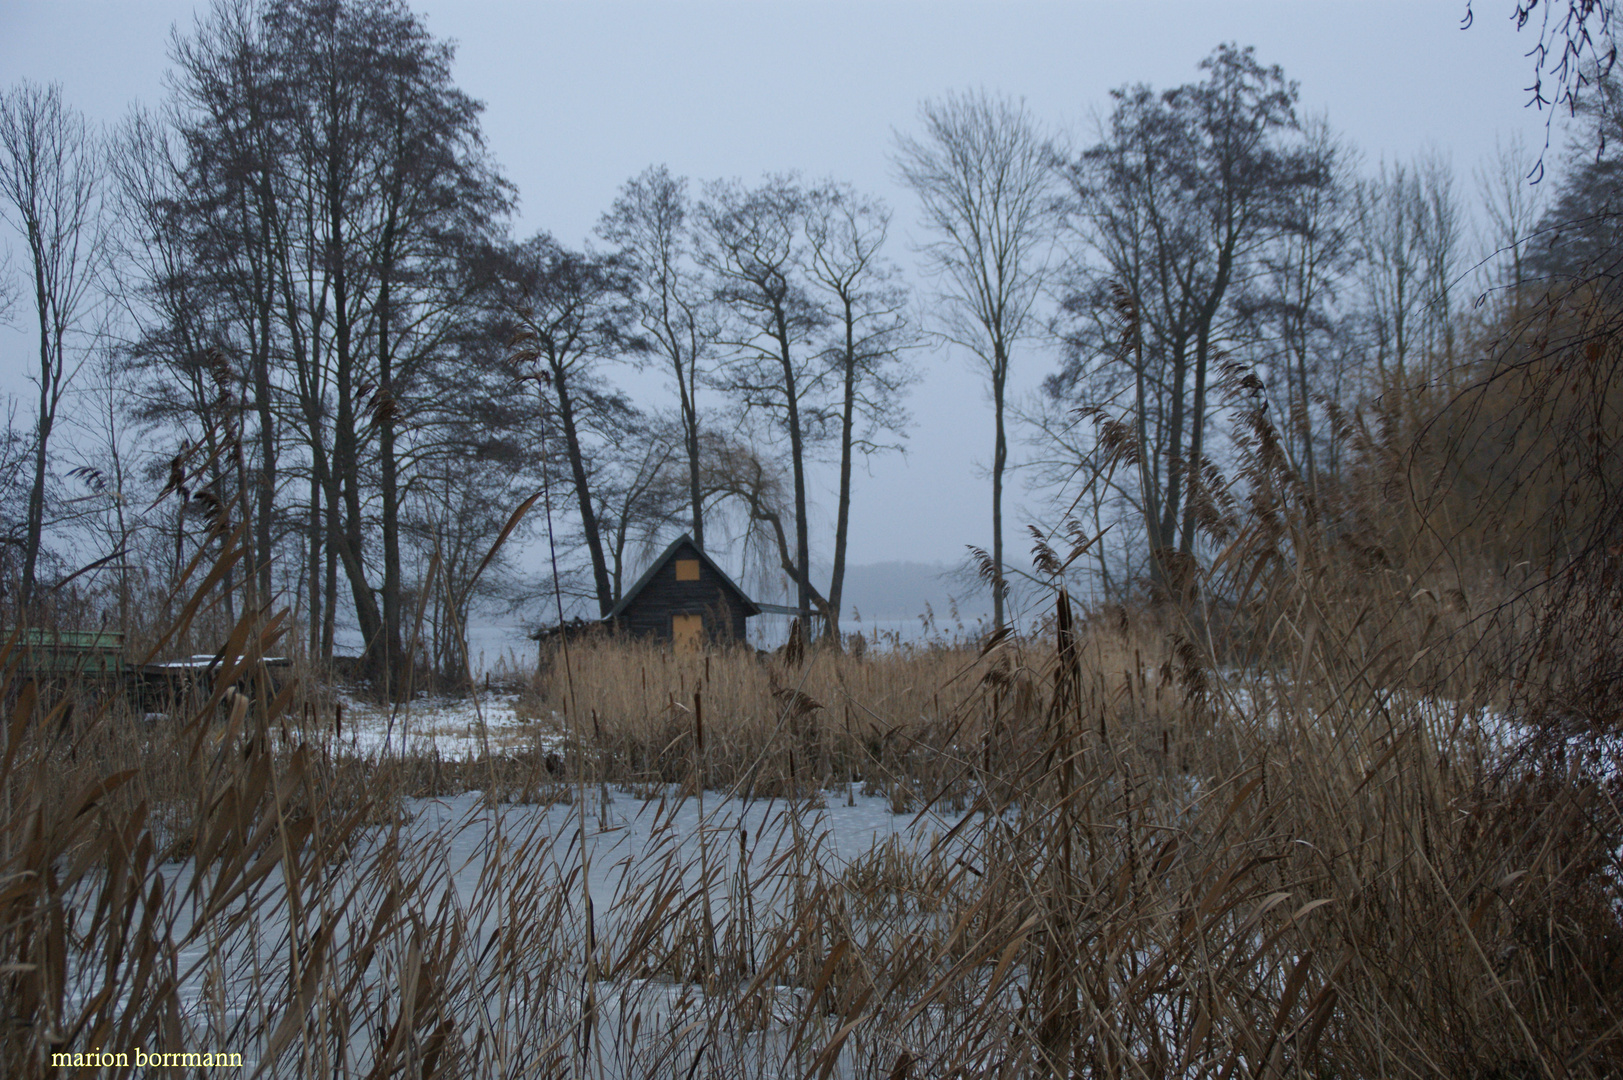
pixel 265 304
pixel 1197 419
pixel 1197 431
pixel 690 438
pixel 42 434
pixel 1167 527
pixel 842 519
pixel 329 623
pixel 588 515
pixel 346 464
pixel 384 408
pixel 1149 487
pixel 313 581
pixel 1000 457
pixel 797 456
pixel 1307 404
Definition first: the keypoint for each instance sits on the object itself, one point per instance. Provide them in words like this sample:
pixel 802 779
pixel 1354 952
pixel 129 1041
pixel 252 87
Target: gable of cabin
pixel 686 599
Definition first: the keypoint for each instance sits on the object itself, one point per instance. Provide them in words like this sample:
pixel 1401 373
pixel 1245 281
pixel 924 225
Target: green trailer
pixel 66 654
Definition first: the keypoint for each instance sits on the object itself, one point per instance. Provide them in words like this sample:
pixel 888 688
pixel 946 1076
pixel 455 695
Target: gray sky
pixel 582 95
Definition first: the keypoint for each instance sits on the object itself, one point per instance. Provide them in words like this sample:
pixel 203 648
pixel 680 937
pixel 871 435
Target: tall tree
pixel 1511 208
pixel 51 164
pixel 868 335
pixel 571 318
pixel 753 243
pixel 335 182
pixel 435 197
pixel 1408 235
pixel 650 224
pixel 230 109
pixel 982 173
pixel 1176 204
pixel 1290 308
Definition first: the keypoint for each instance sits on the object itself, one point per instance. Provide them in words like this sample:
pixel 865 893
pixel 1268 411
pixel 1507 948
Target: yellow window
pixel 687 631
pixel 687 569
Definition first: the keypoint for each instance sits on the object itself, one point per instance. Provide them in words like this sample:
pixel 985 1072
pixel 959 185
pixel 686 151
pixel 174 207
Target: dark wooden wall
pixel 649 612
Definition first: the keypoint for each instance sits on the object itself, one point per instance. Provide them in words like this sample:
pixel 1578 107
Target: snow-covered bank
pixel 455 729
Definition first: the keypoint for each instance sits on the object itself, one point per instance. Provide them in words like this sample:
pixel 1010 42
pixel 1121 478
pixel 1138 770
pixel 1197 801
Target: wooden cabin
pixel 684 598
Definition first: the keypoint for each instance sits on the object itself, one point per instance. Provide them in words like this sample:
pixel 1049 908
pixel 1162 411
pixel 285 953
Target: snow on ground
pixel 623 832
pixel 1453 726
pixel 455 728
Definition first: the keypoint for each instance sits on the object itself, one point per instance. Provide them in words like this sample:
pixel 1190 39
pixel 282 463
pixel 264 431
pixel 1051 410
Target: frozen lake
pixel 578 916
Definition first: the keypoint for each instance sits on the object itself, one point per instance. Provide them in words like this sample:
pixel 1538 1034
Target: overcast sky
pixel 582 95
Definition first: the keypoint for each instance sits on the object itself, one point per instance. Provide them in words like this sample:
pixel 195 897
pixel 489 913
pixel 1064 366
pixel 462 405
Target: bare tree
pixel 1442 245
pixel 981 171
pixel 1179 203
pixel 330 184
pixel 1292 303
pixel 753 246
pixel 675 311
pixel 232 106
pixel 1409 233
pixel 1389 219
pixel 1511 207
pixel 453 515
pixel 870 332
pixel 571 316
pixel 637 492
pixel 50 192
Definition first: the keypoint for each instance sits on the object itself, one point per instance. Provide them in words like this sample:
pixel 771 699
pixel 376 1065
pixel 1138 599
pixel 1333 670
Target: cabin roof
pixel 631 594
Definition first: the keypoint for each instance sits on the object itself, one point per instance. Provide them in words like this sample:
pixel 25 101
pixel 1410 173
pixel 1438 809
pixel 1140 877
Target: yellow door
pixel 687 631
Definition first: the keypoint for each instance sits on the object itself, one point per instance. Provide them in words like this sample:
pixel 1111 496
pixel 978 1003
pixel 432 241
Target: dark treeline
pixel 289 300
